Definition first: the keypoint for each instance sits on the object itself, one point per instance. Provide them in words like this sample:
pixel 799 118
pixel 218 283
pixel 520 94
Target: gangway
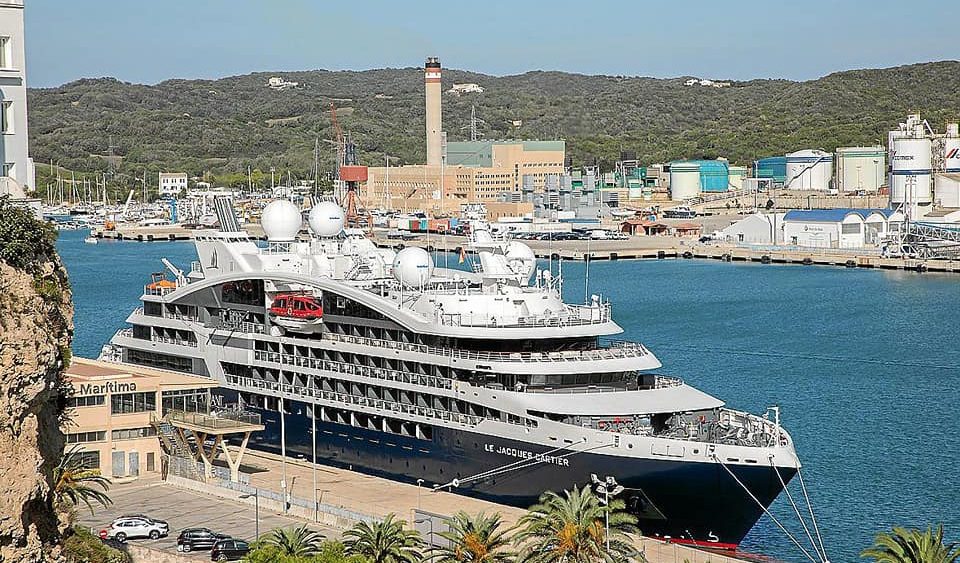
pixel 203 426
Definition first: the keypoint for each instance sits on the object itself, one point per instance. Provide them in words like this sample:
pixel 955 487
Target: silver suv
pixel 128 527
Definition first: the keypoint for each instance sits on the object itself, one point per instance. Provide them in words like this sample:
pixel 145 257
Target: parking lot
pixel 186 509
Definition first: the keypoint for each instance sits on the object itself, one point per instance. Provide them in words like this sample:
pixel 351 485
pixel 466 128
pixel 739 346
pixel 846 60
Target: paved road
pixel 187 509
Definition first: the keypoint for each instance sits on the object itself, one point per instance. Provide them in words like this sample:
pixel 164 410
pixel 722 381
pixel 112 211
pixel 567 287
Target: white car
pixel 128 527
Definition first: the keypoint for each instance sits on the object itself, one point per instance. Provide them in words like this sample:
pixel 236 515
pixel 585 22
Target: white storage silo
pixel 861 168
pixel 809 170
pixel 951 149
pixel 737 174
pixel 910 168
pixel 684 180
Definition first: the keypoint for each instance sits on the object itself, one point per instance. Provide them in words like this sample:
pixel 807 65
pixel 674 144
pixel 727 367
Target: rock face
pixel 36 326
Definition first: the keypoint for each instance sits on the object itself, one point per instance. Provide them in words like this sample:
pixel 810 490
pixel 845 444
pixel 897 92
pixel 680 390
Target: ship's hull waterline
pixel 681 500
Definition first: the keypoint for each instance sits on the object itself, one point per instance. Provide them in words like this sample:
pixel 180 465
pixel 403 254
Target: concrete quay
pixel 377 497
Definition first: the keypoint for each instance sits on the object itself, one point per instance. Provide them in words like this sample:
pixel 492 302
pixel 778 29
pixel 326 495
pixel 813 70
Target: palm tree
pixel 296 542
pixel 74 483
pixel 912 546
pixel 384 542
pixel 572 529
pixel 474 539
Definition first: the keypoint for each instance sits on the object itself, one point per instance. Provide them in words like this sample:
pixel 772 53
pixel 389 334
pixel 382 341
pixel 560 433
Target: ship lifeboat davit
pixel 297 312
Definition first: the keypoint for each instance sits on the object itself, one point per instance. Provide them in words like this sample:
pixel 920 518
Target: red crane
pixel 350 173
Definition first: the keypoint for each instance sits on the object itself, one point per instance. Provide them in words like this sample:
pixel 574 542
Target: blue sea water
pixel 864 364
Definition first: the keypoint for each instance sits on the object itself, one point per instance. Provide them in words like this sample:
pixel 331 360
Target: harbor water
pixel 864 364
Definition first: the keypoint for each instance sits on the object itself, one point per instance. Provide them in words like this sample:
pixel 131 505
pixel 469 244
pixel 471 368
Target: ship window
pixel 244 292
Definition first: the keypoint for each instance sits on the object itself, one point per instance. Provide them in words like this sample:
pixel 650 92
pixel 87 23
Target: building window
pixel 6 58
pixel 82 437
pixel 127 403
pixel 133 433
pixel 87 460
pixel 88 401
pixel 6 117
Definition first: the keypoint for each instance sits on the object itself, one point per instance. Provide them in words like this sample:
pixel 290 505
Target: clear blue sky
pixel 149 41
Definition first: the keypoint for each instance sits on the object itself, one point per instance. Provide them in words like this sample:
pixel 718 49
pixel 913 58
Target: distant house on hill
pixel 278 83
pixel 468 88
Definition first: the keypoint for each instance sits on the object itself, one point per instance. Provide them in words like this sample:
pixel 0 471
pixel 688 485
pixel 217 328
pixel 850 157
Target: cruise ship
pixel 480 380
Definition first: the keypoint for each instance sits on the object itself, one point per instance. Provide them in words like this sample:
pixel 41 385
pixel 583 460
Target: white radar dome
pixel 520 259
pixel 326 219
pixel 281 221
pixel 413 266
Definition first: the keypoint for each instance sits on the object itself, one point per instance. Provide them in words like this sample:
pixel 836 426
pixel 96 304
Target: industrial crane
pixel 348 174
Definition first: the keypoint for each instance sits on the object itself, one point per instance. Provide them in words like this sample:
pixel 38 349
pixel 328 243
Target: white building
pixel 467 88
pixel 758 228
pixel 17 176
pixel 172 183
pixel 840 228
pixel 278 83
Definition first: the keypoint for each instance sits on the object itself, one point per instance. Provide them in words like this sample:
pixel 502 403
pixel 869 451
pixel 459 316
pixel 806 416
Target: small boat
pixel 297 312
pixel 91 239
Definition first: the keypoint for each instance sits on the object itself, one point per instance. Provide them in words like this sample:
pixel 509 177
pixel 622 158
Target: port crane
pixel 348 175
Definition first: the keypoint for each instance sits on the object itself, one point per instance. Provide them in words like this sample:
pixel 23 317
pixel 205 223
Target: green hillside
pixel 225 126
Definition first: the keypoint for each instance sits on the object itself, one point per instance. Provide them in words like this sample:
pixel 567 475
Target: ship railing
pixel 183 317
pixel 613 349
pixel 177 341
pixel 157 291
pixel 128 332
pixel 353 369
pixel 728 428
pixel 196 267
pixel 358 400
pixel 660 382
pixel 572 315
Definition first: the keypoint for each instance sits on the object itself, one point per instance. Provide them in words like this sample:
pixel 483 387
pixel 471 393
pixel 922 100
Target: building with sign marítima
pixel 114 413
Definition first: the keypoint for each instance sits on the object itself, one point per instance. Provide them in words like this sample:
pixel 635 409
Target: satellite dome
pixel 521 259
pixel 281 221
pixel 413 266
pixel 326 219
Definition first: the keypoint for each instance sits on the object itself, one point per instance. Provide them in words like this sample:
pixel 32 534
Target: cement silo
pixel 809 170
pixel 951 149
pixel 737 174
pixel 861 168
pixel 684 180
pixel 910 164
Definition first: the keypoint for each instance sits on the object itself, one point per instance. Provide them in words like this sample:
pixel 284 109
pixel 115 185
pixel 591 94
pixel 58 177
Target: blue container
pixel 774 167
pixel 714 175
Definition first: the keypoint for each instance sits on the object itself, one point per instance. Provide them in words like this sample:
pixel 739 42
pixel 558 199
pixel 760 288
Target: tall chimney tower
pixel 431 79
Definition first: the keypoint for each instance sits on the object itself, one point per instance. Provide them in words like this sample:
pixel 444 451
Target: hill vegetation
pixel 224 126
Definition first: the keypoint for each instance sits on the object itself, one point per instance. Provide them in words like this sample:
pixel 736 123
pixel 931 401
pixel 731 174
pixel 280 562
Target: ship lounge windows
pixel 152 309
pixel 243 292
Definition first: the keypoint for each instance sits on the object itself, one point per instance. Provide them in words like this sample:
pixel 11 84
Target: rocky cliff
pixel 36 326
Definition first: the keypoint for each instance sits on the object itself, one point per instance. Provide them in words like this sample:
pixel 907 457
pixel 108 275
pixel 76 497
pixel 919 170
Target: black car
pixel 198 538
pixel 229 550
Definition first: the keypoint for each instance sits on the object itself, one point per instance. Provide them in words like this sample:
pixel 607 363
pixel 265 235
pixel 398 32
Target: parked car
pixel 229 550
pixel 198 538
pixel 129 527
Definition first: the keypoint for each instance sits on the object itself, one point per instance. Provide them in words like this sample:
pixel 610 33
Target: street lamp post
pixel 427 521
pixel 607 487
pixel 419 482
pixel 256 504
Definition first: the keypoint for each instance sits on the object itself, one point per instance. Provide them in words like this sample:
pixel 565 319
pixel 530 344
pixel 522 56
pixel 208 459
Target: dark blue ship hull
pixel 685 501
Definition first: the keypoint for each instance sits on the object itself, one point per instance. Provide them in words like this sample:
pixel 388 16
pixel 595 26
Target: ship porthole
pixel 630 446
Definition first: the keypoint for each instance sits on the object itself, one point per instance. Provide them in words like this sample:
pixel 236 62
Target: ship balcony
pixel 571 315
pixel 609 349
pixel 354 369
pixel 128 333
pixel 358 402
